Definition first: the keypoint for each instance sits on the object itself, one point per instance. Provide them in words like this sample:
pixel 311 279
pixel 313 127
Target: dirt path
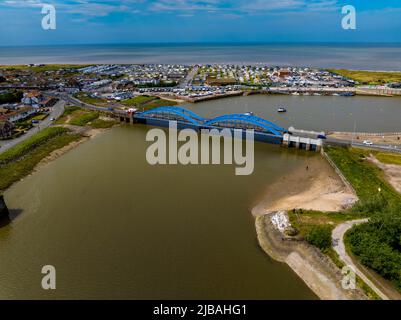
pixel 339 247
pixel 319 273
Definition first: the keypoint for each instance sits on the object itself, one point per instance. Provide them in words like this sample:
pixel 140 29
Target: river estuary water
pixel 115 227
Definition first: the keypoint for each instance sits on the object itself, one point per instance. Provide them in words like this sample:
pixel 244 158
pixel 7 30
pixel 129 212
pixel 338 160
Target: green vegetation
pixel 389 158
pixel 20 160
pixel 369 77
pixel 84 118
pixel 81 117
pixel 305 220
pixel 138 100
pixel 377 244
pixel 147 102
pixel 366 178
pixel 11 97
pixel 42 68
pixel 102 124
pixel 91 100
pixel 39 116
pixel 320 236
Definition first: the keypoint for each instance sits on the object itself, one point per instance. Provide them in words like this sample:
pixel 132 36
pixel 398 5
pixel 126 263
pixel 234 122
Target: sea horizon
pixel 355 55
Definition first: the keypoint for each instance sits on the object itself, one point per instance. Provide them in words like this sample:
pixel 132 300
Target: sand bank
pixel 315 187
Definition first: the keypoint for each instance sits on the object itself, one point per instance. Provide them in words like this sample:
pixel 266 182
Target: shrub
pixel 85 118
pixel 319 236
pixel 24 147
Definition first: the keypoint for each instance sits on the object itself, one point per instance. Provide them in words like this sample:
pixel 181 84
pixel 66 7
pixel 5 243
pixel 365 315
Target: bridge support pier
pixel 3 208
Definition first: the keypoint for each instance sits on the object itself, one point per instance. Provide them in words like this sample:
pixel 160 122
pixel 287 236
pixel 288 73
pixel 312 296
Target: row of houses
pixel 10 113
pixel 37 100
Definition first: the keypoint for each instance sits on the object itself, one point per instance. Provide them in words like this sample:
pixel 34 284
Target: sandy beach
pixel 316 187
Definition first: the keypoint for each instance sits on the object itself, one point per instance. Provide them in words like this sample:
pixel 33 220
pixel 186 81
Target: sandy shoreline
pixel 87 134
pixel 317 187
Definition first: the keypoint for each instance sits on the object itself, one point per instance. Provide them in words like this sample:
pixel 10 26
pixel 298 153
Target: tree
pixel 319 236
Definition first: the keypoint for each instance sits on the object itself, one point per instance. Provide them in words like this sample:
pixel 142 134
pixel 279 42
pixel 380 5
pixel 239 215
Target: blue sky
pixel 127 21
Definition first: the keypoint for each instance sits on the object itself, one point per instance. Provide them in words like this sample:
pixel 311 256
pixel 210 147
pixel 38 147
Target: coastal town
pixel 28 93
pixel 46 110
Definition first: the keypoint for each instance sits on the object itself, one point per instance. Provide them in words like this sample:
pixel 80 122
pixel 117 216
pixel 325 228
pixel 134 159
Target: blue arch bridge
pixel 264 130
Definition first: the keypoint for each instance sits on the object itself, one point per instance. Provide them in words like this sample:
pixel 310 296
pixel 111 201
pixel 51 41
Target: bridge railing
pixel 240 121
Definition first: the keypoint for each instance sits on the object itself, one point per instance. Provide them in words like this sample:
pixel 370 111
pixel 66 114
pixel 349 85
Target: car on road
pixel 52 119
pixel 367 143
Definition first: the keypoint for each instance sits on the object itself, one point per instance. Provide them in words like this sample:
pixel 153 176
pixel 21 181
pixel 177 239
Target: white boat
pixel 281 109
pixel 248 113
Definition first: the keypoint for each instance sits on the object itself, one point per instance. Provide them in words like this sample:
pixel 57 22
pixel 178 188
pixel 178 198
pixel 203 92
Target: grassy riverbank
pixel 147 102
pixel 388 158
pixel 366 178
pixel 376 244
pixel 82 117
pixel 20 160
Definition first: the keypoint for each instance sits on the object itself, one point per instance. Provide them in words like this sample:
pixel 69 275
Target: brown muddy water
pixel 114 226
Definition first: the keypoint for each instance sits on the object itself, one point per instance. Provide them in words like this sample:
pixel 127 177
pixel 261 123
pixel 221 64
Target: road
pixel 339 247
pixel 79 103
pixel 57 111
pixel 379 147
pixel 189 77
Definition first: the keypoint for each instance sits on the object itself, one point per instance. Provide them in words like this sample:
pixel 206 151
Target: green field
pixel 369 77
pixel 138 100
pixel 47 67
pixel 147 102
pixel 388 158
pixel 40 116
pixel 366 178
pixel 91 100
pixel 20 160
pixel 81 117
